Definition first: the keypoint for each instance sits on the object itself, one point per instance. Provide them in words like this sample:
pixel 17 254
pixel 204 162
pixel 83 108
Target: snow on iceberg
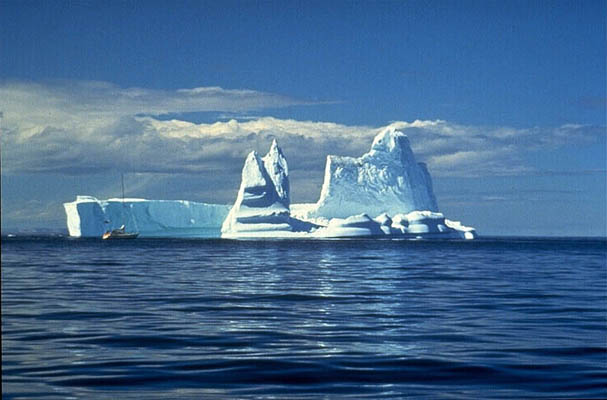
pixel 387 179
pixel 262 205
pixel 90 217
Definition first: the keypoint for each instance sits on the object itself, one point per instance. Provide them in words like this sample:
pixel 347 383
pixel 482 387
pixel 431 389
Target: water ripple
pixel 513 318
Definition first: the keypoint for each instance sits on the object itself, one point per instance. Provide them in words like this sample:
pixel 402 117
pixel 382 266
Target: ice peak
pixel 390 140
pixel 252 172
pixel 275 150
pixel 277 169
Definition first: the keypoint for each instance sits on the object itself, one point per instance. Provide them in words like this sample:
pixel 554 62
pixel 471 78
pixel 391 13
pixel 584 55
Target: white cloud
pixel 88 127
pixel 104 97
pixel 69 104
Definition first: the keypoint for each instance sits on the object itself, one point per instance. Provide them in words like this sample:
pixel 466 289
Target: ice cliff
pixel 387 179
pixel 90 217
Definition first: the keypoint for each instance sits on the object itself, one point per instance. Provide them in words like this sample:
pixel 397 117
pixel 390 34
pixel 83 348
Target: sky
pixel 505 102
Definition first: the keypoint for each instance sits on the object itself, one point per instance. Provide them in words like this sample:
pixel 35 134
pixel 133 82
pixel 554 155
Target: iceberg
pixel 385 180
pixel 383 193
pixel 90 217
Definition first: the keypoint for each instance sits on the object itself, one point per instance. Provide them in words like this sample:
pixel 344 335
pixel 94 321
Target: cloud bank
pixel 90 127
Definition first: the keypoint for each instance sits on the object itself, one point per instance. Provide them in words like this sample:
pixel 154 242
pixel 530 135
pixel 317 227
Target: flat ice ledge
pixel 88 216
pixel 414 225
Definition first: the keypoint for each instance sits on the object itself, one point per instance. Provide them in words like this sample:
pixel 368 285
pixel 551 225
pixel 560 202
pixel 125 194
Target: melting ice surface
pixel 385 192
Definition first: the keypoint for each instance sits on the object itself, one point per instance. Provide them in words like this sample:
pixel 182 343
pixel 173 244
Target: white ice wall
pixel 387 179
pixel 89 217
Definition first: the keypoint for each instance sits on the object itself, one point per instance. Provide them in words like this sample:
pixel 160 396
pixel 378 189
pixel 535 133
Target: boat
pixel 121 232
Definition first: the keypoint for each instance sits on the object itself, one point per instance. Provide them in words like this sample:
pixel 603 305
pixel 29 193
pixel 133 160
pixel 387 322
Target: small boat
pixel 119 233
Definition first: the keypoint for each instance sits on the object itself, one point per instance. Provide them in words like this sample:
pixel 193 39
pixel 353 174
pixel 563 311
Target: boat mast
pixel 123 205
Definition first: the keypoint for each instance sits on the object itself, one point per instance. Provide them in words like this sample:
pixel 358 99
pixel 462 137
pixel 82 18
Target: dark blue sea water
pixel 493 318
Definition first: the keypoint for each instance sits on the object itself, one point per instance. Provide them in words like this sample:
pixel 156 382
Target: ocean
pixel 279 319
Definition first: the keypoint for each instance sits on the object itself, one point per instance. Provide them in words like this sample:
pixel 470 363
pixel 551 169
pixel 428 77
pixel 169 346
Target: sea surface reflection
pixel 494 318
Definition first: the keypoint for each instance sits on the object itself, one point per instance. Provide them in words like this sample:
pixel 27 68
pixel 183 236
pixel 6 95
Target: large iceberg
pixel 385 181
pixel 384 193
pixel 90 217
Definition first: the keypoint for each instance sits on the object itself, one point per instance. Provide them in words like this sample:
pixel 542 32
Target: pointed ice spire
pixel 252 174
pixel 392 142
pixel 278 171
pixel 263 198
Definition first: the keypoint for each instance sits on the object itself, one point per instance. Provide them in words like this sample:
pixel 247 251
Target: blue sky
pixel 87 90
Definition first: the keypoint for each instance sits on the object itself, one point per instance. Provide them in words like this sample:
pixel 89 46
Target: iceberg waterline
pixel 386 182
